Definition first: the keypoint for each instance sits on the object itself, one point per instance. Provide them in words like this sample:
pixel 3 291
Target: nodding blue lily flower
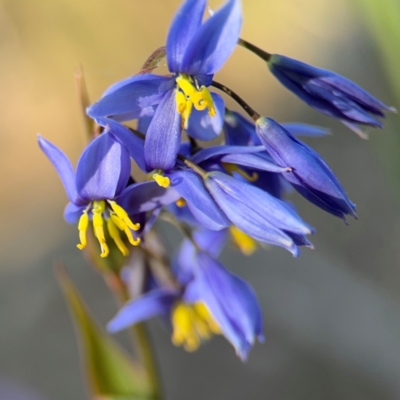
pixel 329 93
pixel 309 174
pixel 195 51
pixel 211 301
pixel 99 191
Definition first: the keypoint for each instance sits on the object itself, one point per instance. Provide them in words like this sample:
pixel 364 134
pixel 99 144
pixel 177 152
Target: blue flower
pixel 212 300
pixel 309 174
pixel 329 93
pixel 195 51
pixel 99 191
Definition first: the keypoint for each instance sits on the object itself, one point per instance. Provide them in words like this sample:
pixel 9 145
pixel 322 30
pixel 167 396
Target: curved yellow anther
pixel 162 181
pixel 114 233
pixel 192 324
pixel 181 202
pixel 97 210
pixel 235 168
pixel 243 241
pixel 123 215
pixel 82 227
pixel 123 227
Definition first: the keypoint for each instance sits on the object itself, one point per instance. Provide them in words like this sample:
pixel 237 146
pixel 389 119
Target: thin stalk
pixel 254 49
pixel 252 113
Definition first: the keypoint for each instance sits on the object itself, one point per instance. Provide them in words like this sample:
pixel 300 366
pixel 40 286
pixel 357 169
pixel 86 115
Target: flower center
pixel 192 323
pixel 189 95
pixel 116 218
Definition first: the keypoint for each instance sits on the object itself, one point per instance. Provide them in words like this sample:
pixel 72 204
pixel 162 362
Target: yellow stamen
pixel 123 227
pixel 162 181
pixel 114 233
pixel 192 96
pixel 82 227
pixel 246 244
pixel 192 324
pixel 98 209
pixel 123 215
pixel 181 202
pixel 231 168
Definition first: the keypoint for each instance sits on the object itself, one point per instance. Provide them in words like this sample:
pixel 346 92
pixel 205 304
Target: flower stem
pixel 253 114
pixel 254 49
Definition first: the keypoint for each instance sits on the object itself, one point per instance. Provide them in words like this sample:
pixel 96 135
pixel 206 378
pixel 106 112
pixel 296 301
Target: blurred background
pixel 332 316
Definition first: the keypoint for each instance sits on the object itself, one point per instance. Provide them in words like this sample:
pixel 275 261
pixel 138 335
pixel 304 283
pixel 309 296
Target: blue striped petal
pixel 184 26
pixel 214 41
pixel 163 136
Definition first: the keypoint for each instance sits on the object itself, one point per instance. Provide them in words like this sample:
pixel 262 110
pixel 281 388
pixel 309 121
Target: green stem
pixel 254 49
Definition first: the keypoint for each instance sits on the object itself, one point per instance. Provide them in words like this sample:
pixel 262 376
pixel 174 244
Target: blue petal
pixel 103 169
pixel 63 167
pixel 152 304
pixel 145 196
pixel 239 131
pixel 255 161
pixel 72 213
pixel 232 303
pixel 184 26
pixel 131 96
pixel 298 129
pixel 214 41
pixel 163 135
pixel 272 209
pixel 204 127
pixel 212 242
pixel 134 144
pixel 203 207
pixel 214 151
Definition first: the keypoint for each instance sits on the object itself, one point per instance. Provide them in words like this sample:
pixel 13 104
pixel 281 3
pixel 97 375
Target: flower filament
pixel 189 95
pixel 192 323
pixel 117 220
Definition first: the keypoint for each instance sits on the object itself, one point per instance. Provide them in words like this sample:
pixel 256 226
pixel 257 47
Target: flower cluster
pixel 231 192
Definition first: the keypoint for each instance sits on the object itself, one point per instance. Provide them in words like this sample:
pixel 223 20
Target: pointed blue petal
pixel 211 242
pixel 214 41
pixel 145 196
pixel 163 136
pixel 72 213
pixel 134 144
pixel 184 26
pixel 272 209
pixel 255 161
pixel 215 151
pixel 232 303
pixel 152 304
pixel 299 129
pixel 63 167
pixel 103 169
pixel 204 127
pixel 203 207
pixel 131 96
pixel 239 131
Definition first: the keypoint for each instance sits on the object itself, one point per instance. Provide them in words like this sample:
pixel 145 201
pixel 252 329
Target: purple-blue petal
pixel 133 143
pixel 221 150
pixel 299 129
pixel 203 207
pixel 255 161
pixel 103 169
pixel 184 26
pixel 239 131
pixel 152 304
pixel 72 213
pixel 163 135
pixel 214 41
pixel 130 96
pixel 63 167
pixel 204 127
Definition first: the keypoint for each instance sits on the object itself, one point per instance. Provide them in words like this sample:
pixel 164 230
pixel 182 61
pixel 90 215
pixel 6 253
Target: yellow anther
pixel 192 324
pixel 181 202
pixel 82 227
pixel 123 215
pixel 99 229
pixel 114 233
pixel 162 181
pixel 231 168
pixel 124 227
pixel 243 241
pixel 188 95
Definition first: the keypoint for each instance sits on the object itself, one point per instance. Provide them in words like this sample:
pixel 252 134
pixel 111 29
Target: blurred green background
pixel 332 317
